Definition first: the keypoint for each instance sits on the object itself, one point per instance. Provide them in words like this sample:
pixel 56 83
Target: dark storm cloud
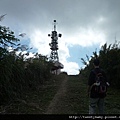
pixel 70 14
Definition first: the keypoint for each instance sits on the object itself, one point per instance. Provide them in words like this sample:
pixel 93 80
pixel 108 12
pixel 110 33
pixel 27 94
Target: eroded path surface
pixel 56 104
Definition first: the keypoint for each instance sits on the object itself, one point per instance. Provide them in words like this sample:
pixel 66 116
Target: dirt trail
pixel 56 103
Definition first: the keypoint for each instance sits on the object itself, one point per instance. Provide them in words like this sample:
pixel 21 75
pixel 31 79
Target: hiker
pixel 96 89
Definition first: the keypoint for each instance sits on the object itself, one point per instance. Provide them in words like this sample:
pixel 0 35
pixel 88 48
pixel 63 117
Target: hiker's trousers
pixel 96 102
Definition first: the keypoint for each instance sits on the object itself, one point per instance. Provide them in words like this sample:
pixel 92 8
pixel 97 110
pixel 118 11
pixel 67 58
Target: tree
pixel 109 56
pixel 17 73
pixel 7 39
pixel 7 36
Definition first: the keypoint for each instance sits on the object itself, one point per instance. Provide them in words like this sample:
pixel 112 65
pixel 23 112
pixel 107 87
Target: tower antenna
pixel 54 50
pixel 54 44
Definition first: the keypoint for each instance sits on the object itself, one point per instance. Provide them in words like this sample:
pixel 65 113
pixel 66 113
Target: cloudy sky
pixel 85 25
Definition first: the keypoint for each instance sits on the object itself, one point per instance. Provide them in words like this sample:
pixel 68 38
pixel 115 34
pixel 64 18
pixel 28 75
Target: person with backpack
pixel 97 88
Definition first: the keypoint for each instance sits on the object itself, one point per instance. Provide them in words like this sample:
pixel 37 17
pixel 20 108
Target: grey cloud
pixel 70 14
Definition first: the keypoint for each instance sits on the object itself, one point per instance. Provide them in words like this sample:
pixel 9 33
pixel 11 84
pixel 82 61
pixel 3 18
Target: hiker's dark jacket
pixel 91 81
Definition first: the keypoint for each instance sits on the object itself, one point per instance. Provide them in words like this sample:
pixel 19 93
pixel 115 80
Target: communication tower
pixel 54 44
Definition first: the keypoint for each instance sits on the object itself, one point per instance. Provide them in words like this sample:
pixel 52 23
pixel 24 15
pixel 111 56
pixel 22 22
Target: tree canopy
pixel 109 56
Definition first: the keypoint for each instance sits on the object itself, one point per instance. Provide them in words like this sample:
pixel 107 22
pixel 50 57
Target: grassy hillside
pixel 78 100
pixel 34 101
pixel 75 101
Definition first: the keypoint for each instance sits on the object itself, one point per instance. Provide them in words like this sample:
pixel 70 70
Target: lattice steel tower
pixel 54 44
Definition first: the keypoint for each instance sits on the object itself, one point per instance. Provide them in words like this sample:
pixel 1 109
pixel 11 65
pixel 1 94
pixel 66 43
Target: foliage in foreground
pixel 19 74
pixel 109 56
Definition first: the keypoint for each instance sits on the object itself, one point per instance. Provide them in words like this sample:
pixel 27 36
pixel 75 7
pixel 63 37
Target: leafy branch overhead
pixel 7 36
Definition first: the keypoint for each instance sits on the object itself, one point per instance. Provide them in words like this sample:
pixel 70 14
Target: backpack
pixel 101 86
